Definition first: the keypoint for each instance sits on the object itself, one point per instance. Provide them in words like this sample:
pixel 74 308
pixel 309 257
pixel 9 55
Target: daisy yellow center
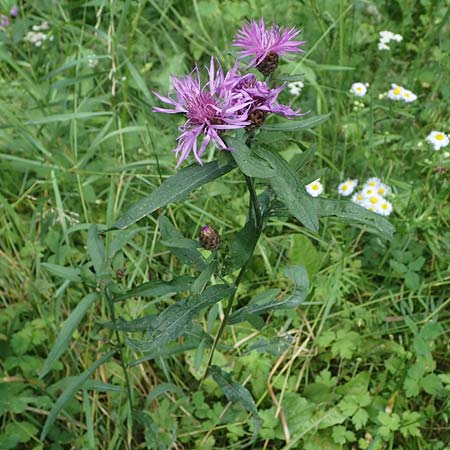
pixel 359 88
pixel 372 183
pixel 369 192
pixel 315 187
pixel 345 187
pixel 397 90
pixel 407 94
pixel 439 137
pixel 373 200
pixel 381 191
pixel 360 197
pixel 384 206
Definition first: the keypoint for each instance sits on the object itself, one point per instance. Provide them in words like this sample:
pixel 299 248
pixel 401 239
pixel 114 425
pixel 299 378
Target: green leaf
pixel 398 266
pixel 432 384
pixel 295 125
pixel 162 389
pixel 189 255
pixel 412 280
pixel 67 273
pixel 173 189
pixel 236 393
pixel 352 211
pixel 248 162
pixel 158 288
pixel 360 418
pixel 96 249
pixel 290 190
pixel 69 392
pixel 64 336
pixel 200 283
pixel 298 275
pixel 175 319
pixel 417 264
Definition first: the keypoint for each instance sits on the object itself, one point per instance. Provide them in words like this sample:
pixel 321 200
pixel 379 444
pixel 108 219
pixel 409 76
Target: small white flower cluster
pixel 37 37
pixel 372 197
pixel 315 188
pixel 92 60
pixel 438 139
pixel 386 37
pixel 295 87
pixel 359 89
pixel 400 93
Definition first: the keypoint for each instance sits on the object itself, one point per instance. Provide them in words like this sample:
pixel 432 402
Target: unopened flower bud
pixel 269 64
pixel 209 238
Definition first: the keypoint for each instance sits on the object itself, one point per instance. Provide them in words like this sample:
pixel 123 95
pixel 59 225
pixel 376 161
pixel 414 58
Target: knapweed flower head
pixel 315 188
pixel 210 110
pixel 264 100
pixel 359 89
pixel 265 45
pixel 386 37
pixel 4 22
pixel 438 139
pixel 347 187
pixel 14 11
pixel 209 238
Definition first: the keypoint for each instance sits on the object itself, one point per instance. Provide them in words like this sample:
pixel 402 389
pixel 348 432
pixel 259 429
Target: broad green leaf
pixel 236 393
pixel 162 389
pixel 248 162
pixel 181 242
pixel 64 336
pixel 175 319
pixel 295 125
pixel 96 249
pixel 121 238
pixel 173 189
pixel 158 288
pixel 68 273
pixel 200 283
pixel 140 83
pixel 290 190
pixel 189 255
pixel 76 384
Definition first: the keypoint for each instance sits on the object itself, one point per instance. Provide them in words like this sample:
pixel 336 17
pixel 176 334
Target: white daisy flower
pixel 373 182
pixel 408 96
pixel 384 208
pixel 295 87
pixel 315 188
pixel 358 198
pixel 359 89
pixel 397 37
pixel 368 191
pixel 347 187
pixel 438 139
pixel 373 201
pixel 383 189
pixel 386 37
pixel 396 92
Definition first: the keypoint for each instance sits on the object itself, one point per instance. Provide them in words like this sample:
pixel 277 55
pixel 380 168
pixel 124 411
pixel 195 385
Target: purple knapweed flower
pixel 14 12
pixel 264 100
pixel 4 22
pixel 210 110
pixel 266 45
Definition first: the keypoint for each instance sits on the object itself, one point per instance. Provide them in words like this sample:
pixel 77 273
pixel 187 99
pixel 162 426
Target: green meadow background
pixel 363 364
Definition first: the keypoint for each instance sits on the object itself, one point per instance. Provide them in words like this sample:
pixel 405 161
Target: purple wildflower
pixel 4 22
pixel 266 45
pixel 264 100
pixel 210 110
pixel 14 12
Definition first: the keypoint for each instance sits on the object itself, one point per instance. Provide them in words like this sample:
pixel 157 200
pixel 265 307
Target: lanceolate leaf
pixel 62 341
pixel 248 162
pixel 352 211
pixel 265 303
pixel 75 384
pixel 96 249
pixel 290 190
pixel 189 255
pixel 172 190
pixel 158 288
pixel 236 393
pixel 295 125
pixel 175 319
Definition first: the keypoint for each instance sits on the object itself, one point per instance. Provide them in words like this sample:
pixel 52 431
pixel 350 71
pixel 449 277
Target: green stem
pixel 253 204
pixel 120 345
